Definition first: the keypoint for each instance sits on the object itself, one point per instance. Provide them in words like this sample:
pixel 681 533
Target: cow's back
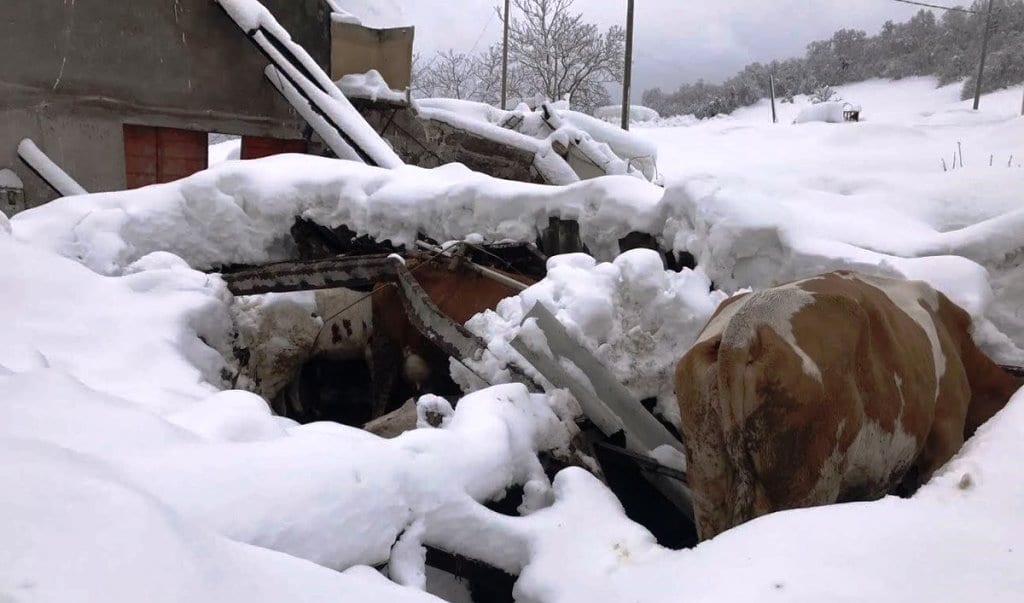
pixel 835 388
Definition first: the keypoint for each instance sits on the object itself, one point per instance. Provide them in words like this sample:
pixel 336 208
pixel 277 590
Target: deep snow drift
pixel 143 486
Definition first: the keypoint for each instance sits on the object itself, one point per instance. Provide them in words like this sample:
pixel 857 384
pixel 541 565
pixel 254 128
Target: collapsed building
pixel 127 94
pixel 111 107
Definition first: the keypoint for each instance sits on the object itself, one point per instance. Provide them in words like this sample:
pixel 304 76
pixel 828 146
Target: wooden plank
pixel 614 410
pixel 615 398
pixel 595 410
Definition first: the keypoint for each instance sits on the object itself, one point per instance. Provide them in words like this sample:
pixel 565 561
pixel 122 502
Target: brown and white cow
pixel 836 388
pixel 405 363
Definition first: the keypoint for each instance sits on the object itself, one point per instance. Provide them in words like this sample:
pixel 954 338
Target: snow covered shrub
pixel 824 94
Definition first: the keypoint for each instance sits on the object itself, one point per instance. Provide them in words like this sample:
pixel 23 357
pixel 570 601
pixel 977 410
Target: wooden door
pixel 154 155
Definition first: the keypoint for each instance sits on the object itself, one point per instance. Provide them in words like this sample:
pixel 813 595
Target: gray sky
pixel 676 40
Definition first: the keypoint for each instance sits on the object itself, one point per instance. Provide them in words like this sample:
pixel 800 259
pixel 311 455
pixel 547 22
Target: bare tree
pixel 487 69
pixel 553 52
pixel 559 54
pixel 451 75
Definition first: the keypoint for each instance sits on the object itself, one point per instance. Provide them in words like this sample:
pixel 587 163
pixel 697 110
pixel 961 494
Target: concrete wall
pixel 72 73
pixel 358 49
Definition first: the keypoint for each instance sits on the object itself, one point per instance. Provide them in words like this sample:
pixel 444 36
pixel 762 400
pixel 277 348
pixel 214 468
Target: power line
pixel 481 36
pixel 954 8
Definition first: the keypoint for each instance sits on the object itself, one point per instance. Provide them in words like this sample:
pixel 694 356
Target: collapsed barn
pixel 389 332
pixel 386 321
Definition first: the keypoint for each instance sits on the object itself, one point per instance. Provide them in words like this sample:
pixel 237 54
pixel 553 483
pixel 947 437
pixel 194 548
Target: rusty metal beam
pixel 307 275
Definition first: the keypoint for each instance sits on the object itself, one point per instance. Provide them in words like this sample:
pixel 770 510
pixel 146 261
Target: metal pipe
pixel 49 171
pixel 481 270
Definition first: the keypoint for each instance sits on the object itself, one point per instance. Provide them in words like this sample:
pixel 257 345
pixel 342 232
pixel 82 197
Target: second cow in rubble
pixel 405 363
pixel 836 388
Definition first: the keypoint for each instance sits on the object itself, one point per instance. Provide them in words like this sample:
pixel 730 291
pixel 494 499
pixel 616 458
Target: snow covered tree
pixel 948 48
pixel 824 94
pixel 1005 62
pixel 553 52
pixel 487 71
pixel 450 75
pixel 559 54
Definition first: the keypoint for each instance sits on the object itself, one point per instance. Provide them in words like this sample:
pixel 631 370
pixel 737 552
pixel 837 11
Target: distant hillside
pixel 947 47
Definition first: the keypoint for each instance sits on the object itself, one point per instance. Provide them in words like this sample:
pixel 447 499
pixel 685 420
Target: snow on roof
pixel 609 149
pixel 248 207
pixel 369 85
pixel 379 14
pixel 340 15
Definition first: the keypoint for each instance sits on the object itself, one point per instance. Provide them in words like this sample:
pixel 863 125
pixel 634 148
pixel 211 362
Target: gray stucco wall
pixel 71 73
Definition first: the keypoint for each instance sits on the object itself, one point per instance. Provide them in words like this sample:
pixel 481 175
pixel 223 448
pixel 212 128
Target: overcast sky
pixel 676 40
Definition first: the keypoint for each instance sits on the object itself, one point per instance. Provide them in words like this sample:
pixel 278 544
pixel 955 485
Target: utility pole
pixel 627 78
pixel 984 49
pixel 504 61
pixel 771 85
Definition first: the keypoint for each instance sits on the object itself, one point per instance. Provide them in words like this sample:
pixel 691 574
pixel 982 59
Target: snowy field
pixel 768 203
pixel 131 475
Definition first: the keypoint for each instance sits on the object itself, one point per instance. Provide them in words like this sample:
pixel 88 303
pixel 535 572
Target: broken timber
pixel 614 410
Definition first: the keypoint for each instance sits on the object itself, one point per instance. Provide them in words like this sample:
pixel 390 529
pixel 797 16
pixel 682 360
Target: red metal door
pixel 254 147
pixel 140 157
pixel 153 155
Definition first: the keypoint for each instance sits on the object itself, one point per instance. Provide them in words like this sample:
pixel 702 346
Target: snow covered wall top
pixel 242 211
pixel 742 232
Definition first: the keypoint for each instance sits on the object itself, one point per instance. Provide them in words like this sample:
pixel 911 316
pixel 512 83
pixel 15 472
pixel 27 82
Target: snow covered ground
pixel 133 475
